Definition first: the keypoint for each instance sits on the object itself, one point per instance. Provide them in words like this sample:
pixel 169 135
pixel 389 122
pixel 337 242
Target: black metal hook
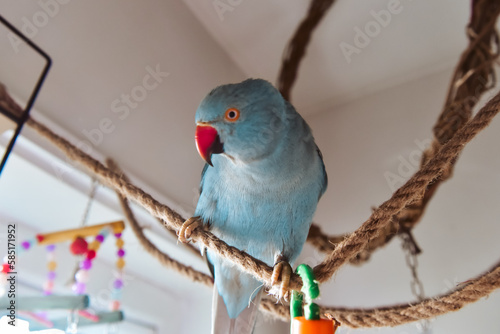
pixel 24 117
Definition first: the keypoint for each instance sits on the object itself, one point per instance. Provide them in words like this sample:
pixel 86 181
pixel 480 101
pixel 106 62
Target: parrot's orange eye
pixel 232 115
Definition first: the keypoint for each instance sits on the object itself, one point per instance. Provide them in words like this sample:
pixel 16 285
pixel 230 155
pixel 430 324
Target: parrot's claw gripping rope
pixel 187 229
pixel 282 270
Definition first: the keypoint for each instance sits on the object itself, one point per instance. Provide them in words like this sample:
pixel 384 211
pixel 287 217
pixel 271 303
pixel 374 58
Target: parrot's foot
pixel 187 229
pixel 281 271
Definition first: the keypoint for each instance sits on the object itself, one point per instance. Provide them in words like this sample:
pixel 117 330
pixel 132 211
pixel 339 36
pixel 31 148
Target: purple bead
pixel 118 284
pixel 47 293
pixel 121 253
pixel 118 235
pixel 78 288
pixel 26 244
pixel 42 314
pixel 86 264
pixel 51 275
pixel 50 248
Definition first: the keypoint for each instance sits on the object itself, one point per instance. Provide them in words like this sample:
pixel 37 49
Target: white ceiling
pixel 421 38
pixel 365 114
pixel 101 51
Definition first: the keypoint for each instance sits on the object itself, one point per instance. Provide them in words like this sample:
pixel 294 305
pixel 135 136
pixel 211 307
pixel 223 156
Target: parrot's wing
pixel 243 324
pixel 325 176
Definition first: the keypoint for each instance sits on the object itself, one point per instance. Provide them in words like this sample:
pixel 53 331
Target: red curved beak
pixel 207 142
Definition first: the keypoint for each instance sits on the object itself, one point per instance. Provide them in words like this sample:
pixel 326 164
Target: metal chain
pixel 417 288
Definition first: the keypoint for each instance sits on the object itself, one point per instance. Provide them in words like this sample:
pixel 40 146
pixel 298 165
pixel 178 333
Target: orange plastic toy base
pixel 301 325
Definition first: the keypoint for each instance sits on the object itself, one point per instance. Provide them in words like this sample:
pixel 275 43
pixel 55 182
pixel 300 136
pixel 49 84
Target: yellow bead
pixel 94 245
pixel 51 265
pixel 120 263
pixel 119 243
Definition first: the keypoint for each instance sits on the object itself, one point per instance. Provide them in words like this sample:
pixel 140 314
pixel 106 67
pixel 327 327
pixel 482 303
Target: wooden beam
pixel 69 235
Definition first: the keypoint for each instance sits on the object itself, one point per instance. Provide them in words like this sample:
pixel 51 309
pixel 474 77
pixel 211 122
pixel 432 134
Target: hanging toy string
pixel 118 283
pixel 84 220
pixel 80 247
pixel 51 266
pixel 82 275
pixel 91 195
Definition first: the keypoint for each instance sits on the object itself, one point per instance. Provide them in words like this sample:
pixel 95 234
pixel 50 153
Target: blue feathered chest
pixel 264 209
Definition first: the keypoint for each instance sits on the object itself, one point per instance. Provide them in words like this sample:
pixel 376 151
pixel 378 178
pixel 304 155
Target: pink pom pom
pixel 79 246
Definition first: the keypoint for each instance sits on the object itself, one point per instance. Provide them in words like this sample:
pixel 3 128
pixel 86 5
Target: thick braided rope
pixel 470 297
pixel 8 104
pixel 409 192
pixel 469 293
pixel 473 76
pixel 256 267
pixel 327 243
pixel 296 49
pixel 174 221
pixel 170 218
pixel 321 241
pixel 193 249
pixel 396 315
pixel 345 250
pixel 163 258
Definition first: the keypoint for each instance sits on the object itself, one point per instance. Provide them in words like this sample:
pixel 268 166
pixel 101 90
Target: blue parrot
pixel 259 190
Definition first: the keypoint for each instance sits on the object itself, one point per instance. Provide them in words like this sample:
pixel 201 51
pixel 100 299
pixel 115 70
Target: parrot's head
pixel 243 121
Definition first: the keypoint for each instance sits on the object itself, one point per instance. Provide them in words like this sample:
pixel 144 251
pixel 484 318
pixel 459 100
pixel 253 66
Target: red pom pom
pixel 91 254
pixel 79 246
pixel 40 237
pixel 5 268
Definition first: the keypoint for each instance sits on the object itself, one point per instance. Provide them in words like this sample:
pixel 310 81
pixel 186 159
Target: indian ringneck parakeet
pixel 259 190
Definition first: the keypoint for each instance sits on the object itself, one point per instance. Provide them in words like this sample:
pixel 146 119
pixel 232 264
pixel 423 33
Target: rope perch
pixel 163 258
pixel 344 250
pixel 437 166
pixel 409 192
pixel 467 293
pixel 342 253
pixel 473 76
